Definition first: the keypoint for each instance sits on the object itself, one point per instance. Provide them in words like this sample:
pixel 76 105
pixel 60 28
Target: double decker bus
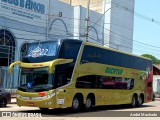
pixel 71 73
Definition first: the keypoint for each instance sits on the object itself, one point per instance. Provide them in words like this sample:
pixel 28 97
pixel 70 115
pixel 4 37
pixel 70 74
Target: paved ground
pixel 104 111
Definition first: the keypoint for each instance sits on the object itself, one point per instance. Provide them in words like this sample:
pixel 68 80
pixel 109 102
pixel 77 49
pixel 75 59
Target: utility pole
pixel 48 21
pixel 70 2
pixel 87 19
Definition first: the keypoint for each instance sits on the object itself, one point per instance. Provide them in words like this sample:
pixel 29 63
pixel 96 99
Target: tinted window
pixel 116 83
pixel 63 74
pixel 89 81
pixel 104 82
pixel 99 55
pixel 69 50
pixel 41 52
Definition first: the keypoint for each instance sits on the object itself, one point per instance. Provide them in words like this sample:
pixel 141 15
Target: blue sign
pixel 27 4
pixel 29 85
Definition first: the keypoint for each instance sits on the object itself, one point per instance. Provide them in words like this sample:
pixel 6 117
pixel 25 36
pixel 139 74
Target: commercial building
pixel 156 80
pixel 26 21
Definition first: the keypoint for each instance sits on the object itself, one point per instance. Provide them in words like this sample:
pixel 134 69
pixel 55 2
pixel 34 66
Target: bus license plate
pixel 30 104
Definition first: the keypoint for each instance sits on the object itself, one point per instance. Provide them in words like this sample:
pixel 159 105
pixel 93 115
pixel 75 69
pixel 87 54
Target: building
pixel 118 21
pixel 95 5
pixel 26 21
pixel 156 80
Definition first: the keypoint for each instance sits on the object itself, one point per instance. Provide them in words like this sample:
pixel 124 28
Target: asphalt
pixel 13 100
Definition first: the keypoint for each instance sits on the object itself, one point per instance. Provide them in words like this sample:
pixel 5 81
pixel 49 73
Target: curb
pixel 13 103
pixel 157 99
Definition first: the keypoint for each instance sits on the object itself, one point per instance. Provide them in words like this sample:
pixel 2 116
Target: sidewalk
pixel 13 100
pixel 157 99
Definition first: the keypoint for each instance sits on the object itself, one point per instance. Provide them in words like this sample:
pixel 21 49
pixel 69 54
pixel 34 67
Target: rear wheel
pixel 140 101
pixel 3 102
pixel 76 104
pixel 89 103
pixel 134 101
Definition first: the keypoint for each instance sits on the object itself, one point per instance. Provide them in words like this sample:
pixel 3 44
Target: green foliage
pixel 154 59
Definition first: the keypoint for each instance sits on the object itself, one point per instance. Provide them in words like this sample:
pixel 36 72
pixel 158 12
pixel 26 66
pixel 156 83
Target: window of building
pixel 7 48
pixel 23 49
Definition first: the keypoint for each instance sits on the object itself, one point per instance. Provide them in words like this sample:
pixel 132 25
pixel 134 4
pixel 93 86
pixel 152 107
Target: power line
pixel 140 15
pixel 107 29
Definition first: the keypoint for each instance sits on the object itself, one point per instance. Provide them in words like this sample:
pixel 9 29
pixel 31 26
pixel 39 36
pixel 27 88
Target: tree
pixel 154 59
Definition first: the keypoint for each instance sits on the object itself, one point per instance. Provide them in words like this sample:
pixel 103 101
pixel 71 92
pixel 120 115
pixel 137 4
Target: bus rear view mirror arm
pixel 57 62
pixel 13 64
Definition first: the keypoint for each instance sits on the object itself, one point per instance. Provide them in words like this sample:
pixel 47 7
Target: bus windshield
pixel 41 52
pixel 35 79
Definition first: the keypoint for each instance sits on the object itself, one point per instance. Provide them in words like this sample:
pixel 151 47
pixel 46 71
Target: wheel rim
pixel 88 103
pixel 75 103
pixel 140 101
pixel 3 103
pixel 133 101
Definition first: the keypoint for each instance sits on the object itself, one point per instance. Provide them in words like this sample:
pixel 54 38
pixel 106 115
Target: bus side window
pixel 89 81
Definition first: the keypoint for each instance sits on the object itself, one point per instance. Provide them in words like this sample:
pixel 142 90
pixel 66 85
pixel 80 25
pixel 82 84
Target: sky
pixel 146 31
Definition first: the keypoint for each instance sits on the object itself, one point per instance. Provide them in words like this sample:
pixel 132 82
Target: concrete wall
pixel 119 26
pixel 61 26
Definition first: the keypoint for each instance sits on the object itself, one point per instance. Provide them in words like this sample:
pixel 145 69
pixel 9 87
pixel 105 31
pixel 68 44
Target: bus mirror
pixel 13 64
pixel 57 62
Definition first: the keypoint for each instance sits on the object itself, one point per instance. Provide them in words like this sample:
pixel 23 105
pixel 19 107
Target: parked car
pixel 5 97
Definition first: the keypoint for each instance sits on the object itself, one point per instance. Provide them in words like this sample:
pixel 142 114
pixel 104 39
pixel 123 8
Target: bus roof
pixel 56 40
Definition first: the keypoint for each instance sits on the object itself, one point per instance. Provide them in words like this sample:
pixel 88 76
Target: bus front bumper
pixel 45 103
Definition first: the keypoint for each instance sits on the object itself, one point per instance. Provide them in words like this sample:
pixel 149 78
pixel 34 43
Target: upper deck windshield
pixel 41 52
pixel 50 50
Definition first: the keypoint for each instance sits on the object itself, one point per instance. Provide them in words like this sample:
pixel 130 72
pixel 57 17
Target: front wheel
pixel 3 103
pixel 76 104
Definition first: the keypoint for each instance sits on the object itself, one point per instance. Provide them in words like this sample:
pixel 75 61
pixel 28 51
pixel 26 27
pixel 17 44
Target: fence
pixel 7 81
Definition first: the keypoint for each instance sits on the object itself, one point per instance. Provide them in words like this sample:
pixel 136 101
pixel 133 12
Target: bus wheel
pixel 134 101
pixel 3 103
pixel 140 101
pixel 89 103
pixel 76 104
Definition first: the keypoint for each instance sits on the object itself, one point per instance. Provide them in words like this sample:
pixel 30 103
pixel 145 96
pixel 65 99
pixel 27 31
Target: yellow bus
pixel 71 73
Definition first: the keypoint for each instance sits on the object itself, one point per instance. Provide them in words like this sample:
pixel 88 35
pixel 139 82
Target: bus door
pixel 62 91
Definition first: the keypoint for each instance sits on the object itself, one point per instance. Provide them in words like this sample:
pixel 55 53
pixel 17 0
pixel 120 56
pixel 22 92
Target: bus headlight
pixel 18 95
pixel 36 98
